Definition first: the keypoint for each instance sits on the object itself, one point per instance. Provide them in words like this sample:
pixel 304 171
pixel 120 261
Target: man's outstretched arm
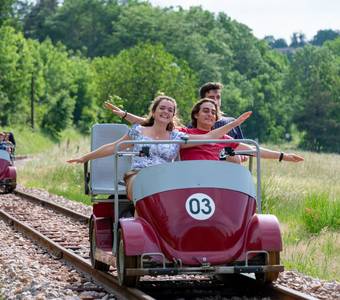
pixel 131 118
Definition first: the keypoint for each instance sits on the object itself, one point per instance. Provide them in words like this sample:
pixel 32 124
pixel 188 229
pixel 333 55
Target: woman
pixel 158 126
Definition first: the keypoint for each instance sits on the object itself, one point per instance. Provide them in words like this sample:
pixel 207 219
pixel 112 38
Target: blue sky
pixel 273 17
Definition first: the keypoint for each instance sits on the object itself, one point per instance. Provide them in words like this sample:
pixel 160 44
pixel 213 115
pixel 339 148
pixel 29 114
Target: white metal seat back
pixel 5 155
pixel 103 169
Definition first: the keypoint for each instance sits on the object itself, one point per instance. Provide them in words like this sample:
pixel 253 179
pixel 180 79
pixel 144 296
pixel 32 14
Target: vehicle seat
pixel 102 174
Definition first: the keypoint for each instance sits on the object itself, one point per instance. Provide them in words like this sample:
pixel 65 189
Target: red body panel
pixel 103 216
pixel 8 172
pixel 264 233
pixel 4 172
pixel 139 237
pixel 221 238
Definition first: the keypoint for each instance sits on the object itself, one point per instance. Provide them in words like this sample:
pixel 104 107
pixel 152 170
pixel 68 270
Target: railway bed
pixel 158 288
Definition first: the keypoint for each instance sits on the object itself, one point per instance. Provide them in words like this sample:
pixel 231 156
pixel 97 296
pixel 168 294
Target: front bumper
pixel 206 270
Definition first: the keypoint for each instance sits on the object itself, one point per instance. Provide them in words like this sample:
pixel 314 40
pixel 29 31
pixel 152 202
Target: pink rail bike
pixel 8 174
pixel 193 217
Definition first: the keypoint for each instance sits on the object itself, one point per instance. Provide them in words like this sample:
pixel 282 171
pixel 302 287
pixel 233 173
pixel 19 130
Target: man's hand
pixel 115 109
pixel 292 157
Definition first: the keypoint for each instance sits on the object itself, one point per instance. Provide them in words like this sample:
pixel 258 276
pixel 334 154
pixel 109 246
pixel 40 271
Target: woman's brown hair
pixel 196 108
pixel 154 104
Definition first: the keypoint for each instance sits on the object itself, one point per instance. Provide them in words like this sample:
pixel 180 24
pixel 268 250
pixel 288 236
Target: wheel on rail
pixel 269 277
pixel 98 265
pixel 11 188
pixel 124 262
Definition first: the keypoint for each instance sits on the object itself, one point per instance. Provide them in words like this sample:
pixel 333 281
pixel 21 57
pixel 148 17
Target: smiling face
pixel 206 116
pixel 164 112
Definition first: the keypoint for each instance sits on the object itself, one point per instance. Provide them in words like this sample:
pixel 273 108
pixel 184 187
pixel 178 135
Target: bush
pixel 320 212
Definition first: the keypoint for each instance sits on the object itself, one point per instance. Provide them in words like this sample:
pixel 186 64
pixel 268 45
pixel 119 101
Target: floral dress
pixel 159 153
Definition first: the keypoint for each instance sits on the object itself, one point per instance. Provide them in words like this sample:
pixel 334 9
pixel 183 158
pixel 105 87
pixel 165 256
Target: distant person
pixel 5 143
pixel 11 138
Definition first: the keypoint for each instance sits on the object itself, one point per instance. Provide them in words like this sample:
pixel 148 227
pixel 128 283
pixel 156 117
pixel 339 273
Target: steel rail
pixel 70 213
pixel 275 291
pixel 110 284
pixel 280 292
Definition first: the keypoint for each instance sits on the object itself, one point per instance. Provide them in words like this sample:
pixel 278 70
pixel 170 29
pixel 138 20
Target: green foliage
pixel 85 93
pixel 15 68
pixel 298 40
pixel 138 74
pixel 58 116
pixel 90 31
pixel 37 17
pixel 139 50
pixel 314 85
pixel 320 212
pixel 5 11
pixel 324 35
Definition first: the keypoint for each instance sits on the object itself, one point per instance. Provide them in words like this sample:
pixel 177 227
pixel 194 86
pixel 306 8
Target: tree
pixel 15 76
pixel 85 25
pixel 85 94
pixel 324 35
pixel 315 88
pixel 280 43
pixel 298 40
pixel 35 20
pixel 5 11
pixel 138 74
pixel 59 115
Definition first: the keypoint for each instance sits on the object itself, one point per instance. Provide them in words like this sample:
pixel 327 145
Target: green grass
pixel 289 191
pixel 320 212
pixel 49 170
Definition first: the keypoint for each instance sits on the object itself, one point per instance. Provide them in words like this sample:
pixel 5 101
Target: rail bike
pixel 186 217
pixel 8 173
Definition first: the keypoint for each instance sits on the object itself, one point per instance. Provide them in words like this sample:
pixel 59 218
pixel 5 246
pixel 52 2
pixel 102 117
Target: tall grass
pixel 306 197
pixel 320 212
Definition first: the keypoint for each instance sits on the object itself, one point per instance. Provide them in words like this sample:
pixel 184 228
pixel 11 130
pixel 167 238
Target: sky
pixel 279 18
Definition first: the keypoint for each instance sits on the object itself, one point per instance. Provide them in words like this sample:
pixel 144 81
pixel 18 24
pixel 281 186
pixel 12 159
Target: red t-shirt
pixel 205 151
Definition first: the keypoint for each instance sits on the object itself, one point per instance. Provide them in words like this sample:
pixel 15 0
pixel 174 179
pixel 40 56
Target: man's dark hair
pixel 196 108
pixel 209 86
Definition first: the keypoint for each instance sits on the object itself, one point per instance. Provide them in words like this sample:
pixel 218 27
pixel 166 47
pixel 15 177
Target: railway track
pixel 72 245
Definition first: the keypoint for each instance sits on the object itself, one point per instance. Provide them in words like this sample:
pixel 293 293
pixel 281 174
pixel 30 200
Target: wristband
pixel 281 156
pixel 124 116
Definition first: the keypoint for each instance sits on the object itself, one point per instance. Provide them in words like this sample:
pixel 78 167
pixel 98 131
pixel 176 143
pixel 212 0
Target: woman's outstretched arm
pixel 105 150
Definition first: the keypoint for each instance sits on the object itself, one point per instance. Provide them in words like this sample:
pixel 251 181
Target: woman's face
pixel 164 112
pixel 207 115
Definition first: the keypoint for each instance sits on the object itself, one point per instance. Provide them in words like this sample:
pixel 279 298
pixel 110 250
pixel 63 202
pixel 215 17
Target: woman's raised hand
pixel 115 109
pixel 243 117
pixel 292 157
pixel 76 160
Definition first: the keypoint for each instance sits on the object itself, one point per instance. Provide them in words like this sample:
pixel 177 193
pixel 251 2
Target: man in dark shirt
pixel 213 90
